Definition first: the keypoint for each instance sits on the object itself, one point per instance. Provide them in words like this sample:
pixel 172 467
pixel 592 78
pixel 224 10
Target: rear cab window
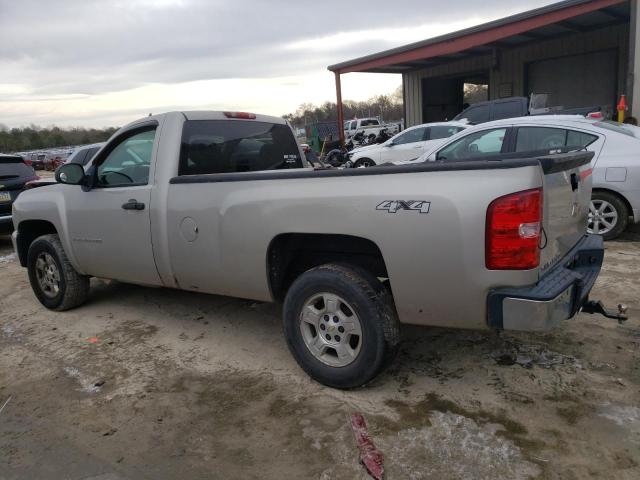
pixel 233 146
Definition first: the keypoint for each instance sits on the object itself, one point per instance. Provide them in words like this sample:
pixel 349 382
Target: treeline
pixel 35 138
pixel 388 107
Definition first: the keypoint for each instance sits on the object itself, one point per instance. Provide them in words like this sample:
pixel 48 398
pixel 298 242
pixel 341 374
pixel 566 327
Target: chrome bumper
pixel 558 295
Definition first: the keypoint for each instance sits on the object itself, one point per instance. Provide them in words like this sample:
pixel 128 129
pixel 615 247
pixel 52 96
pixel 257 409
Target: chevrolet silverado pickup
pixel 225 203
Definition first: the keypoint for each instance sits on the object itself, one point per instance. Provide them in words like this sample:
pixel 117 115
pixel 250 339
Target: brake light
pixel 242 115
pixel 586 173
pixel 513 231
pixel 597 115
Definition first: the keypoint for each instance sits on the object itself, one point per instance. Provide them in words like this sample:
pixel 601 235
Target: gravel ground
pixel 147 383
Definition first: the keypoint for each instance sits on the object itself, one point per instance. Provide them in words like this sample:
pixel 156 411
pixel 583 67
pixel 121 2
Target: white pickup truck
pixel 224 203
pixel 369 127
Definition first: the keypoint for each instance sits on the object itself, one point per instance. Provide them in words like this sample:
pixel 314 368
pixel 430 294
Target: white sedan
pixel 615 200
pixel 406 145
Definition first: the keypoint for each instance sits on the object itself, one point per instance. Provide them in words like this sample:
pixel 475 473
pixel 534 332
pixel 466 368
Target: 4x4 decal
pixel 392 206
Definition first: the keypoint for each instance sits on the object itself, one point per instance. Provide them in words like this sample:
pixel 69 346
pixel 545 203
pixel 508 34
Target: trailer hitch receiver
pixel 591 307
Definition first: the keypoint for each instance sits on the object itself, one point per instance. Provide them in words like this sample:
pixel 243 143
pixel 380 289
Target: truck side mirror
pixel 70 174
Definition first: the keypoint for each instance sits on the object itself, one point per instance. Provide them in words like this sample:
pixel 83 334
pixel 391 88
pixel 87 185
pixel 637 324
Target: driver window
pixel 475 145
pixel 128 163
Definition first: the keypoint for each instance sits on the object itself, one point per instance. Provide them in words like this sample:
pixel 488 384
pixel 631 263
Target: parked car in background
pixel 408 145
pixel 615 199
pixel 368 128
pixel 14 174
pixel 514 107
pixel 81 155
pixel 36 160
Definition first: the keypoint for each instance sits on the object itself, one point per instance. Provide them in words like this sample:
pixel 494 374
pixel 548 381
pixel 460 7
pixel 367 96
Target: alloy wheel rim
pixel 330 329
pixel 48 274
pixel 603 217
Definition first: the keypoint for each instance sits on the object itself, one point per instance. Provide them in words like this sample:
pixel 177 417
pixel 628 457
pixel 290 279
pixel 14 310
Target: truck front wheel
pixel 53 279
pixel 340 325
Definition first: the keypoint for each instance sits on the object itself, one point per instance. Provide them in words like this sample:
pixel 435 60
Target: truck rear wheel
pixel 53 279
pixel 340 325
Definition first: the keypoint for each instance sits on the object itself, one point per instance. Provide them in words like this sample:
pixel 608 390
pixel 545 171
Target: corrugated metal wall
pixel 511 65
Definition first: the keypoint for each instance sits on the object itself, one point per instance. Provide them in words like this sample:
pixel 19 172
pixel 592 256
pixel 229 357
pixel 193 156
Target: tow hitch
pixel 591 307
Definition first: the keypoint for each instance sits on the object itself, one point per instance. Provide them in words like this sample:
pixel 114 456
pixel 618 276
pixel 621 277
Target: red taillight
pixel 595 115
pixel 513 231
pixel 586 173
pixel 243 115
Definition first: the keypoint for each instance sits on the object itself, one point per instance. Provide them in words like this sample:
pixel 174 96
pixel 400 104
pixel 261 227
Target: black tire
pixel 73 287
pixel 621 209
pixel 364 162
pixel 373 305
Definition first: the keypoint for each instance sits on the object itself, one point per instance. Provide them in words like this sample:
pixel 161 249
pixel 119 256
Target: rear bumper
pixel 558 295
pixel 6 223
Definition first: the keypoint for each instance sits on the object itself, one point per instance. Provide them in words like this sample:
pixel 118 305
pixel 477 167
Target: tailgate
pixel 567 194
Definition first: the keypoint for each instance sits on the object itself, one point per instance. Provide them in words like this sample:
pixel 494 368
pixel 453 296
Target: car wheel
pixel 53 279
pixel 364 162
pixel 608 215
pixel 340 325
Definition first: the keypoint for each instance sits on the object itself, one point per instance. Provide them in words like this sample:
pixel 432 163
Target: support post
pixel 340 109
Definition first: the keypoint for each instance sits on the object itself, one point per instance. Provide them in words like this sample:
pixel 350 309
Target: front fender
pixel 45 204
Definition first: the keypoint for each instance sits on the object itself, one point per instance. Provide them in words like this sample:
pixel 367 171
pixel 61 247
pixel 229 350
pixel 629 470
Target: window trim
pixel 96 161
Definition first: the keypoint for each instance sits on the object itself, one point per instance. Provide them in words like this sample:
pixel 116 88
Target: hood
pixel 366 148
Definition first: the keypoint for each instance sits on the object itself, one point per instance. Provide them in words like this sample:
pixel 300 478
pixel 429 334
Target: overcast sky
pixel 107 62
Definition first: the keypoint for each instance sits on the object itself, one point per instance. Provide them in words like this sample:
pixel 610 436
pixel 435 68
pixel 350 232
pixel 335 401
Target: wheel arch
pixel 27 232
pixel 620 195
pixel 291 254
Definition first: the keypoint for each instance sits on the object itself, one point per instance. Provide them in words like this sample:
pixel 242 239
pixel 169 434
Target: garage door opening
pixel 444 97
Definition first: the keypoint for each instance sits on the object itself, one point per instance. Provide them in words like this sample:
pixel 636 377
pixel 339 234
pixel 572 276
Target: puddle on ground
pixel 454 446
pixel 624 416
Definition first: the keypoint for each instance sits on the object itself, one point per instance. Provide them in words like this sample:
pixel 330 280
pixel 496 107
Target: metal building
pixel 581 52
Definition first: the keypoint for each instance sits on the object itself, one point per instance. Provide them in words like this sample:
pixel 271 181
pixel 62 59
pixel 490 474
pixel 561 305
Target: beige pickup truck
pixel 225 203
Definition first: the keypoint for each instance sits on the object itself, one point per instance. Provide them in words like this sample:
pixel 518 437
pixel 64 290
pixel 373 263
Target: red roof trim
pixel 481 38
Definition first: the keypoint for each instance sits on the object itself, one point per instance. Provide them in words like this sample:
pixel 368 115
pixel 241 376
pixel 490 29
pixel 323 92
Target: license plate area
pixel 5 197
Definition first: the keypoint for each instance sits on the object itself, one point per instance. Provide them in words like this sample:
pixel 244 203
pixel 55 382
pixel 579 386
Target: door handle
pixel 133 204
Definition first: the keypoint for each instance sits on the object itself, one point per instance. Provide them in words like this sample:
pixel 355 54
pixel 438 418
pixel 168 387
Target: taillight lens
pixel 514 224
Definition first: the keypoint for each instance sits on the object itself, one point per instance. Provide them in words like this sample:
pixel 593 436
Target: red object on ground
pixel 93 340
pixel 370 456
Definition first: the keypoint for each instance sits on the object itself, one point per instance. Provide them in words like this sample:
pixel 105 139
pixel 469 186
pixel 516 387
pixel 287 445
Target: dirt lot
pixel 152 383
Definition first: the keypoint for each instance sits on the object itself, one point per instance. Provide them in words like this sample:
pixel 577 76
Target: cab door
pixel 109 224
